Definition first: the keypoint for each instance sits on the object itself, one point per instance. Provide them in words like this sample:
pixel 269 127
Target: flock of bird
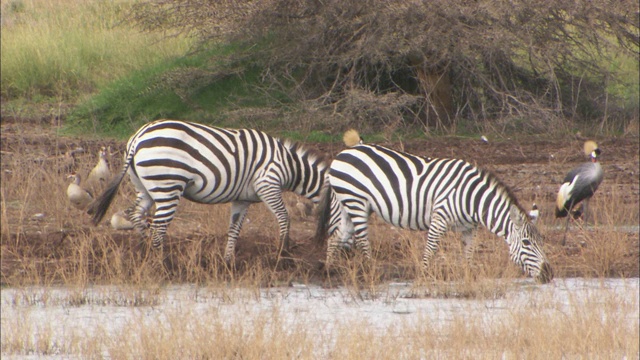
pixel 81 197
pixel 572 201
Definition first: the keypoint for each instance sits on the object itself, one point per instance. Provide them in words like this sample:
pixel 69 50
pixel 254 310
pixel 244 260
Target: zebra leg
pixel 358 210
pixel 361 235
pixel 165 211
pixel 141 207
pixel 437 228
pixel 271 195
pixel 469 246
pixel 138 213
pixel 238 213
pixel 339 237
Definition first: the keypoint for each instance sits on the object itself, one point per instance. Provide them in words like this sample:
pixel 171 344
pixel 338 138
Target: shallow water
pixel 108 310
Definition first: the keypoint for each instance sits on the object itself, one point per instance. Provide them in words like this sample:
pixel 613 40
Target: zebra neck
pixel 497 219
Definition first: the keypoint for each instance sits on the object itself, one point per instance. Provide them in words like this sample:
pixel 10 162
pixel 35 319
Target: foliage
pixel 433 62
pixel 195 87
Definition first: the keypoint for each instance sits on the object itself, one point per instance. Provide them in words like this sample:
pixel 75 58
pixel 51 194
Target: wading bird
pixel 79 197
pixel 120 221
pixel 100 173
pixel 580 184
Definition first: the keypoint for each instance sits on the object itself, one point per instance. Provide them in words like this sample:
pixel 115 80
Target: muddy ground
pixel 532 166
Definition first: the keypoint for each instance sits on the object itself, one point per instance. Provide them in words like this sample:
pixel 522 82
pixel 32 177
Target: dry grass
pixel 64 250
pixel 534 326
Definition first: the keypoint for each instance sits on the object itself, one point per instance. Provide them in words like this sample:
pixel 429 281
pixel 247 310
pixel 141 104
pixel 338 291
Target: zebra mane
pixel 301 150
pixel 501 187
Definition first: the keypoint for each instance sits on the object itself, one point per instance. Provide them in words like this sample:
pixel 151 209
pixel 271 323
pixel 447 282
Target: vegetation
pixel 598 326
pixel 307 70
pixel 66 50
pixel 446 66
pixel 520 65
pixel 40 254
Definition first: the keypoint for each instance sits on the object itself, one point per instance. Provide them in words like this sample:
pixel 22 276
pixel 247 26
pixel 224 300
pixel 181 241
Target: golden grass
pixel 63 248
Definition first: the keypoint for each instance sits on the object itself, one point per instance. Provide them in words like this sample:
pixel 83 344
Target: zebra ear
pixel 516 216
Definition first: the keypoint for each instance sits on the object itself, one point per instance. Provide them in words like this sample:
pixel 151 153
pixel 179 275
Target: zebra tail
pixel 324 216
pixel 98 208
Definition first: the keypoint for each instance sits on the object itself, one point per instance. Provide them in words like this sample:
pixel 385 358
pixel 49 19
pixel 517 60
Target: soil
pixel 533 167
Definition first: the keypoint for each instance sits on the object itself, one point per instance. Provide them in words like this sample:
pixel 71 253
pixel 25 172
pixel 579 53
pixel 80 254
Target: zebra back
pixel 219 163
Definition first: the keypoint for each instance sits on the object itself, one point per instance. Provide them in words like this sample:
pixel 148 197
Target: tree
pixel 429 61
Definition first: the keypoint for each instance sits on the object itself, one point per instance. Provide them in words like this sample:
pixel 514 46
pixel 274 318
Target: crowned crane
pixel 99 175
pixel 579 184
pixel 79 197
pixel 352 138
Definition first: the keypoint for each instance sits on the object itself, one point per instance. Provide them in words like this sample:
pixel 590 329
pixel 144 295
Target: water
pixel 109 310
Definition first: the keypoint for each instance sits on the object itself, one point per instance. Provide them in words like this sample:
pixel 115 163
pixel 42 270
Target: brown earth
pixel 532 166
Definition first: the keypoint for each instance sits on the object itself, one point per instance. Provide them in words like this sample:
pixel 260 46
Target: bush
pixel 431 62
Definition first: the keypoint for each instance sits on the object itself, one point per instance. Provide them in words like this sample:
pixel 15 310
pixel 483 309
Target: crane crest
pixel 351 138
pixel 589 147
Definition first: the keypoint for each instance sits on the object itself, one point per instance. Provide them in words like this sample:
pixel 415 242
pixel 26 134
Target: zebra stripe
pixel 420 193
pixel 170 159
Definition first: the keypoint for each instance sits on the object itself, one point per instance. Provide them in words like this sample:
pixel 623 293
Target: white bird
pixel 38 216
pixel 100 174
pixel 79 197
pixel 580 184
pixel 120 221
pixel 68 160
pixel 534 214
pixel 484 139
pixel 304 208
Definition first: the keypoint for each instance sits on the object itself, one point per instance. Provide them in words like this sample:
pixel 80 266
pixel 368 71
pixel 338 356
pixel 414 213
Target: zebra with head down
pixel 170 159
pixel 421 193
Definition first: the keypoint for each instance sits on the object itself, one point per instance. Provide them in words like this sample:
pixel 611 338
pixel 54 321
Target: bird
pixel 100 173
pixel 79 197
pixel 304 208
pixel 580 184
pixel 352 138
pixel 534 213
pixel 68 160
pixel 120 221
pixel 484 139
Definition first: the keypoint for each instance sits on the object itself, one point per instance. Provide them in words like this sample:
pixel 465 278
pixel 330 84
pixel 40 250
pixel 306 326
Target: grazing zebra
pixel 423 194
pixel 170 159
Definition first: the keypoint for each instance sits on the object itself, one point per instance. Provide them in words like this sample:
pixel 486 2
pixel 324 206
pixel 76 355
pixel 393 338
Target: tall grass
pixel 534 324
pixel 68 48
pixel 63 248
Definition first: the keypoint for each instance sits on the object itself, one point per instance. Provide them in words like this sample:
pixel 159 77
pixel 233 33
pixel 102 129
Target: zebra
pixel 171 159
pixel 422 193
